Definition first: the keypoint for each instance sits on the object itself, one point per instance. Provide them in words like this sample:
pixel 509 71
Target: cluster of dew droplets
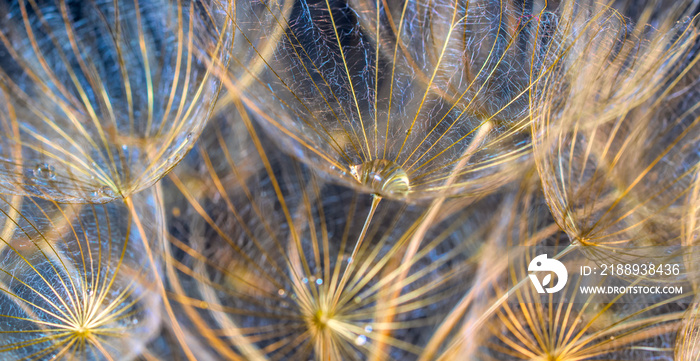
pixel 362 339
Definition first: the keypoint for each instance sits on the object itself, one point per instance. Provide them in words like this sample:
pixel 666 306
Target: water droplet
pixel 105 192
pixel 368 329
pixel 45 171
pixel 383 176
pixel 125 147
pixel 361 340
pixel 134 320
pixel 305 280
pixel 319 281
pixel 281 292
pixel 357 299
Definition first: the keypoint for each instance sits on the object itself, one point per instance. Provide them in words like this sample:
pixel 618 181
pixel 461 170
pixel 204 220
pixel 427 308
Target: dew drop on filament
pixel 383 176
pixel 45 171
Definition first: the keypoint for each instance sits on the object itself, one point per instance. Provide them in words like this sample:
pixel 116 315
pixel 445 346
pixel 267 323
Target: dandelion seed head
pixel 615 157
pixel 439 89
pixel 83 287
pixel 266 248
pixel 104 94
